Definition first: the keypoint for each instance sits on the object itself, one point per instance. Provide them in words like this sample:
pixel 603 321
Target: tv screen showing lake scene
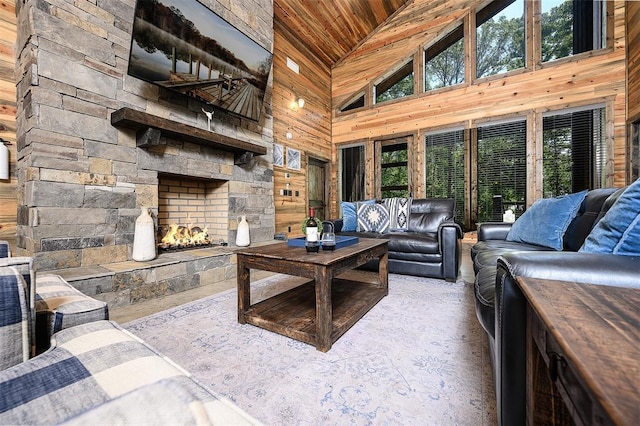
pixel 184 46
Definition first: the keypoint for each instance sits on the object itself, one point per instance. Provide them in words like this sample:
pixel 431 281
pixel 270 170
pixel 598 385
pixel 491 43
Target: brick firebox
pixel 194 202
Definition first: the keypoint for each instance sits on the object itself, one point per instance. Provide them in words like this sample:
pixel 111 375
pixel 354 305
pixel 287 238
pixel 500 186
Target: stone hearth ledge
pixel 126 283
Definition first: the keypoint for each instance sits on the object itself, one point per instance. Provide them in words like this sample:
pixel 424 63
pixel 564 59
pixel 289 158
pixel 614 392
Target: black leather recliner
pixel 501 307
pixel 431 246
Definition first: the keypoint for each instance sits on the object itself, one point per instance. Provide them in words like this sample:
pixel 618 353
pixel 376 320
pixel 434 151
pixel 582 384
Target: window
pixel 352 173
pixel 571 27
pixel 500 37
pixel 444 168
pixel 502 170
pixel 634 151
pixel 573 151
pixel 398 85
pixel 394 171
pixel 444 61
pixel 358 102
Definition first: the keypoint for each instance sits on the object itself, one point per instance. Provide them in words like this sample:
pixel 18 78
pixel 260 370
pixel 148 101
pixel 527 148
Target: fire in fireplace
pixel 178 237
pixel 186 200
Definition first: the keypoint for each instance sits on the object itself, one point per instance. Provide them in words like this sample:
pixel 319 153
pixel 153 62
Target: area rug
pixel 418 357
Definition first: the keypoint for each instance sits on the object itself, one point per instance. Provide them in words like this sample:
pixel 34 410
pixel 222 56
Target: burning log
pixel 184 236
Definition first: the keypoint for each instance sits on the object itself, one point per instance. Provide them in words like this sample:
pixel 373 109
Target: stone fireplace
pixel 82 179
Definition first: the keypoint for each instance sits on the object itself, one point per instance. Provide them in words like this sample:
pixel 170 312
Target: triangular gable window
pixel 397 85
pixel 357 102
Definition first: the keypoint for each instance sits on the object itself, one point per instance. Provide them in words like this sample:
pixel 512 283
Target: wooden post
pixel 324 310
pixel 244 289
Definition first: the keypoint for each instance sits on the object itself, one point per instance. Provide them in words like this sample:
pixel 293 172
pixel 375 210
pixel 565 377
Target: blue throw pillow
pixel 546 221
pixel 350 214
pixel 618 232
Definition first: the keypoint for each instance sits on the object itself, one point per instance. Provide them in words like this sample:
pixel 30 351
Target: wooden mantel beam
pixel 150 127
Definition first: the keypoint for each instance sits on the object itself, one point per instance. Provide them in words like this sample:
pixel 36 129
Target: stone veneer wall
pixel 81 181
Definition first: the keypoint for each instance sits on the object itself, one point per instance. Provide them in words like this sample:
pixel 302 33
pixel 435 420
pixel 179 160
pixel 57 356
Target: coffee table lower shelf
pixel 293 312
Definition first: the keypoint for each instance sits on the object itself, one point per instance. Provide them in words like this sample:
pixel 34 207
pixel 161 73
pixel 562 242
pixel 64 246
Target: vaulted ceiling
pixel 332 28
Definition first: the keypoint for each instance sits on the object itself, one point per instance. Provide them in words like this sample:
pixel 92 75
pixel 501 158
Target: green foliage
pixel 500 46
pixel 444 169
pixel 557 32
pixel 557 162
pixel 446 69
pixel 399 90
pixel 502 171
pixel 396 175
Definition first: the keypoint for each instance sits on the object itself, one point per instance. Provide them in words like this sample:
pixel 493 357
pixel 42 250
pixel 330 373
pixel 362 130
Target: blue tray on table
pixel 341 241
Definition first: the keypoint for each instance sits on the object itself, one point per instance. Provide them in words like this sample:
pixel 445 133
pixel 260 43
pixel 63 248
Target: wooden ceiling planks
pixel 332 29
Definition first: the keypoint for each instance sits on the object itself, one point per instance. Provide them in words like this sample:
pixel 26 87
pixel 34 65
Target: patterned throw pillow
pixel 350 214
pixel 373 218
pixel 398 208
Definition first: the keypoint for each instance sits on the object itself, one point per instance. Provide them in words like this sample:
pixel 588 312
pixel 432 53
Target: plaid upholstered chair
pixel 15 329
pixel 50 305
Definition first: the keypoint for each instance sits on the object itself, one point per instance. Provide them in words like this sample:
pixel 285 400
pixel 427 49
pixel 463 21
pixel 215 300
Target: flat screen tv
pixel 184 46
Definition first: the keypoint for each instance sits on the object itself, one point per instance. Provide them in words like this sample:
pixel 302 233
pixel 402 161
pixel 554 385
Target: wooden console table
pixel 583 353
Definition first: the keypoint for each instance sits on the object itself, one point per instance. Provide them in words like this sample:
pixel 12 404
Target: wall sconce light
pixel 289 135
pixel 301 102
pixel 4 159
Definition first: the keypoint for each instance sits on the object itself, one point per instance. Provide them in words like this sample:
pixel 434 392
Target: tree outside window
pixel 394 171
pixel 398 85
pixel 571 27
pixel 557 30
pixel 445 170
pixel 573 151
pixel 500 38
pixel 502 169
pixel 444 61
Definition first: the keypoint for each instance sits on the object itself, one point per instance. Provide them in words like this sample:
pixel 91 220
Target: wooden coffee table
pixel 323 309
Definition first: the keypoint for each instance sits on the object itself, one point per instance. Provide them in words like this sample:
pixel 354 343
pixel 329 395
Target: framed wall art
pixel 293 159
pixel 278 155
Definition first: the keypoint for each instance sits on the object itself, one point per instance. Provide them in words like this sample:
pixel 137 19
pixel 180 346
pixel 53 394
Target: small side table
pixel 583 353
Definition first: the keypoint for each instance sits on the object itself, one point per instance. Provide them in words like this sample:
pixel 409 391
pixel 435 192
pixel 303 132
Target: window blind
pixel 352 176
pixel 444 168
pixel 574 151
pixel 502 169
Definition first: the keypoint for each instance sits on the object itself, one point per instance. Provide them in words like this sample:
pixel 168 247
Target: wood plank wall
pixel 8 200
pixel 598 77
pixel 633 60
pixel 310 126
pixel 584 80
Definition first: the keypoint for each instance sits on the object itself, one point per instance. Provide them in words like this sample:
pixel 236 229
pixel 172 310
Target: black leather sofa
pixel 431 246
pixel 501 307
